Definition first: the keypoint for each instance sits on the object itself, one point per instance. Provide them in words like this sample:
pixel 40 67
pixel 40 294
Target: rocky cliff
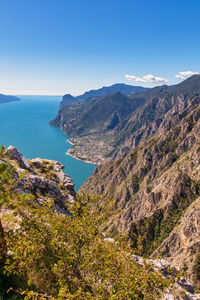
pixel 156 186
pixel 41 178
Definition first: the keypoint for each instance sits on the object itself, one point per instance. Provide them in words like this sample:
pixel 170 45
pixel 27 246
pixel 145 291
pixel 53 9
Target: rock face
pixel 156 187
pixel 41 178
pixel 15 155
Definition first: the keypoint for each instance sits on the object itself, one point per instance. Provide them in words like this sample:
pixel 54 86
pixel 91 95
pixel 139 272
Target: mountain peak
pixel 190 85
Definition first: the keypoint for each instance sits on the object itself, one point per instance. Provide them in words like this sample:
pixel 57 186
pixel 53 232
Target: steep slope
pixel 156 187
pixel 6 98
pixel 159 101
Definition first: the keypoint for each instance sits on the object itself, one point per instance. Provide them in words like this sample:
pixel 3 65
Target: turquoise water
pixel 24 124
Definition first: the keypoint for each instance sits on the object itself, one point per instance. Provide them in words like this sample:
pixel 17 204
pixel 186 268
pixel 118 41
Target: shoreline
pixel 86 150
pixel 68 140
pixel 86 161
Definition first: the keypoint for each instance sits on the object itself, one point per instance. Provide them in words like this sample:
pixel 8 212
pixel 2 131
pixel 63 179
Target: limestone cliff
pixel 42 178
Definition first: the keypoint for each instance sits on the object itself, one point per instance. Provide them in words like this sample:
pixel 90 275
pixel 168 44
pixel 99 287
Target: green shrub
pixel 134 156
pixel 135 183
pixel 197 266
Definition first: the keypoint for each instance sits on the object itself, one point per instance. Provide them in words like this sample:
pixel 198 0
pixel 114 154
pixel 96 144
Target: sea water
pixel 24 124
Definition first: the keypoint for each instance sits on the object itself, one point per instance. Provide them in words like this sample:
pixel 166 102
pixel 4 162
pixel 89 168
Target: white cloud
pixel 134 78
pixel 146 78
pixel 185 74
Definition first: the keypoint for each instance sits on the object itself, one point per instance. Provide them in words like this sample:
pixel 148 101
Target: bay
pixel 24 124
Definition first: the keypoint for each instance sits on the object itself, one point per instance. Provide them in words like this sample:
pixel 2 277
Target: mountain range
pixel 120 121
pixel 106 90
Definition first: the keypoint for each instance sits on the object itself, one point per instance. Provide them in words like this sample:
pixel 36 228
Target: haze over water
pixel 24 124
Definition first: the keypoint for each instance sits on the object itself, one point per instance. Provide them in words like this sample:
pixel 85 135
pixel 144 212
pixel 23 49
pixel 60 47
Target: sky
pixel 54 47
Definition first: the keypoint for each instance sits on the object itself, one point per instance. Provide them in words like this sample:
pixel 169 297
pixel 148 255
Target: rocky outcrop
pixel 41 178
pixel 15 155
pixel 182 287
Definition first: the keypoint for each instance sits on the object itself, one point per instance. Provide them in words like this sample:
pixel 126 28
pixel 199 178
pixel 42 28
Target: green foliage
pixel 59 256
pixel 134 156
pixel 156 229
pixel 197 266
pixel 135 183
pixel 2 151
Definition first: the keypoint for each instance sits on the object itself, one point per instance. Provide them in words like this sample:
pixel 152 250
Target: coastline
pixel 68 140
pixel 87 150
pixel 86 161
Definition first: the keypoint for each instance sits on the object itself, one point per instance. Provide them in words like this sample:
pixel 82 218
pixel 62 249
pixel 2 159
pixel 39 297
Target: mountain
pixel 90 123
pixel 6 98
pixel 117 128
pixel 118 87
pixel 156 186
pixel 67 100
pixel 99 114
pixel 158 101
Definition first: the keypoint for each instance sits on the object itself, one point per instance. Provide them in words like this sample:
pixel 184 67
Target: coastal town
pixel 88 149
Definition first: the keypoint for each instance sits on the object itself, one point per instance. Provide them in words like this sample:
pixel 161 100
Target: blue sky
pixel 70 46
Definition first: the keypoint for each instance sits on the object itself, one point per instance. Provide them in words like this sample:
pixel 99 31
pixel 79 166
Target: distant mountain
pixel 118 87
pixel 6 98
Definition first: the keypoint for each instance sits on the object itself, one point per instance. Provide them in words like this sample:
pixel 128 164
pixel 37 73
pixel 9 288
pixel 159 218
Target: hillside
pixel 6 98
pixel 124 89
pixel 156 187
